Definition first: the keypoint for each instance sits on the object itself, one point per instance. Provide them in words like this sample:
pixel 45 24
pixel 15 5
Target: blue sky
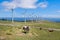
pixel 29 8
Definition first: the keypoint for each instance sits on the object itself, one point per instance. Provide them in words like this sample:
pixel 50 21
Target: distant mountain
pixel 52 19
pixel 29 19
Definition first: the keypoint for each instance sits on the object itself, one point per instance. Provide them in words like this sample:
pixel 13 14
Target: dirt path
pixel 9 24
pixel 33 26
pixel 50 28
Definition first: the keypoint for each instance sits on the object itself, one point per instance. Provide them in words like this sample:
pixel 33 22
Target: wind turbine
pixel 12 15
pixel 36 18
pixel 32 17
pixel 25 16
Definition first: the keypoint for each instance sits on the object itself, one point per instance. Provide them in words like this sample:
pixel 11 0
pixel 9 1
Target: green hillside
pixel 13 31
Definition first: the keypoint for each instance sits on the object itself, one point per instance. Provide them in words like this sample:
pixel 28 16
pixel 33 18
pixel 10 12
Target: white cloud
pixel 58 11
pixel 27 4
pixel 20 3
pixel 43 4
pixel 23 4
pixel 9 5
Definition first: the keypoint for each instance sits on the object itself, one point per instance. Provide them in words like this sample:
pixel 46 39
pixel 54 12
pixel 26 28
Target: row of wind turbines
pixel 24 15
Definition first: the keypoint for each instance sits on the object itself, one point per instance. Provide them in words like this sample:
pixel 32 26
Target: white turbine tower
pixel 25 17
pixel 12 16
pixel 36 16
pixel 32 17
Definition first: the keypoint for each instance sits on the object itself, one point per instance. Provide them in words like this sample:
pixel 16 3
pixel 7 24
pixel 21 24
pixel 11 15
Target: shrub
pixel 8 33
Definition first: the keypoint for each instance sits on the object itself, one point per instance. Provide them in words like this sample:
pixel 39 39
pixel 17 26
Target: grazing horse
pixel 26 29
pixel 50 30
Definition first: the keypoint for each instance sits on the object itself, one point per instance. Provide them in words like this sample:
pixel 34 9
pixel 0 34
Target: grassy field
pixel 8 32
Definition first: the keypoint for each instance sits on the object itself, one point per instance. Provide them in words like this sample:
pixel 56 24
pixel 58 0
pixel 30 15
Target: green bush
pixel 8 33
